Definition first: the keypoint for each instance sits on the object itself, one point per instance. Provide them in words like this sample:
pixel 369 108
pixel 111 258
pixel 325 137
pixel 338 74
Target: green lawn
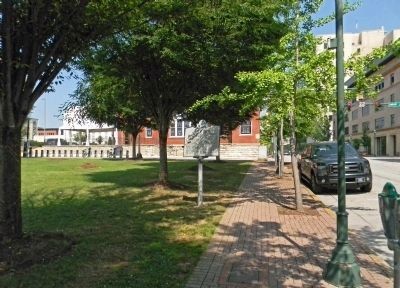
pixel 127 233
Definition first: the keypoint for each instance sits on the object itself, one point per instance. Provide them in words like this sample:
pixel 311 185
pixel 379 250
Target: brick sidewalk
pixel 262 241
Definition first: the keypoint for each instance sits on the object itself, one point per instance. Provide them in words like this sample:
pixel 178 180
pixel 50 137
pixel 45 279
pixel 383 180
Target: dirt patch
pixel 207 198
pixel 158 186
pixel 19 254
pixel 88 166
pixel 293 211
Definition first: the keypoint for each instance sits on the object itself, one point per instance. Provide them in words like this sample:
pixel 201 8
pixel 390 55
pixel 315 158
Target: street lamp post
pixel 342 269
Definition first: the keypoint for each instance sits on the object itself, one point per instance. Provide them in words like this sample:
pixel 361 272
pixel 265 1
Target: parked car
pixel 319 165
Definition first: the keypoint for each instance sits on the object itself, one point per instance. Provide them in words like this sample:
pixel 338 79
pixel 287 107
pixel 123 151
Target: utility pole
pixel 342 269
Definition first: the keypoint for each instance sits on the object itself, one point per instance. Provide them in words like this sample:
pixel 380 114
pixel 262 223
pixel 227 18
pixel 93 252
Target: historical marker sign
pixel 202 140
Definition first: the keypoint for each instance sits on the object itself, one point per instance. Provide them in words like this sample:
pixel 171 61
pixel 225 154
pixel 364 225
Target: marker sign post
pixel 201 142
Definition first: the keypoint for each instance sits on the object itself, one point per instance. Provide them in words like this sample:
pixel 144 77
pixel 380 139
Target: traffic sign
pixel 394 104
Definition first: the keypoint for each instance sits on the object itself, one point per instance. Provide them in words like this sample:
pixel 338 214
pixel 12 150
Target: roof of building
pixel 378 62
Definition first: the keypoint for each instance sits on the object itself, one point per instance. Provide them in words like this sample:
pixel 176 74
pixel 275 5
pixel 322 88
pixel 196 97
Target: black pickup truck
pixel 318 164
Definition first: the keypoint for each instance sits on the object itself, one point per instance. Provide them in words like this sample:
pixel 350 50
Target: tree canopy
pixel 226 110
pixel 181 51
pixel 297 83
pixel 38 40
pixel 107 99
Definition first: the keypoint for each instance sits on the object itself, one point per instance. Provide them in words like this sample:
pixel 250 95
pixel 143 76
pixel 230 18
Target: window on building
pixel 245 127
pixel 380 86
pixel 172 129
pixel 391 97
pixel 365 126
pixel 177 127
pixel 391 79
pixel 354 114
pixel 346 130
pixel 346 117
pixel 365 111
pixel 149 132
pixel 354 129
pixel 379 123
pixel 392 120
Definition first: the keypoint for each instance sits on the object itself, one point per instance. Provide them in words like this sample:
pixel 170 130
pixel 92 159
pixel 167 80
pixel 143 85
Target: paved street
pixel 363 208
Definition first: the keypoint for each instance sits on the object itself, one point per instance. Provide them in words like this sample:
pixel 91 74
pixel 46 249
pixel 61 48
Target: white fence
pixel 227 151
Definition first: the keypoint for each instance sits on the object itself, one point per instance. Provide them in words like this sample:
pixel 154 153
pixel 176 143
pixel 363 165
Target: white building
pixel 91 132
pixel 382 124
pixel 363 42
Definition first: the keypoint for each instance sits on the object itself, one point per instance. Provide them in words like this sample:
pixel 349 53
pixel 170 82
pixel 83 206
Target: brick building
pixel 242 143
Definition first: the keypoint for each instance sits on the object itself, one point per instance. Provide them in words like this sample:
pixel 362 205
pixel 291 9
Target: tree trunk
pixel 281 150
pixel 163 135
pixel 295 167
pixel 134 135
pixel 139 153
pixel 275 149
pixel 10 183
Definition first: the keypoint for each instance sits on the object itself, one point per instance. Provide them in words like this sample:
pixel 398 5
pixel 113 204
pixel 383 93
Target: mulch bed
pixel 293 211
pixel 31 249
pixel 89 166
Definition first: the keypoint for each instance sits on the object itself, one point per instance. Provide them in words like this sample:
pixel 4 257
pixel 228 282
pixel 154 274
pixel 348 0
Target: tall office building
pixel 363 43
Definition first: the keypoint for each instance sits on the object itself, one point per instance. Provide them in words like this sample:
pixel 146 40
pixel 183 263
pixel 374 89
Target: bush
pixel 356 143
pixel 36 143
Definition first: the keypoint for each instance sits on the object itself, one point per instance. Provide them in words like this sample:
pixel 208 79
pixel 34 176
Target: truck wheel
pixel 315 187
pixel 366 188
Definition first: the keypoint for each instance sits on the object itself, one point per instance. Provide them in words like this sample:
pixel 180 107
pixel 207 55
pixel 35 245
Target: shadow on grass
pixel 122 240
pixel 140 175
pixel 182 175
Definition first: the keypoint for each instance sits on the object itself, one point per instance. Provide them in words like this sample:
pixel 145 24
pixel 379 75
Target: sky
pixel 371 15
